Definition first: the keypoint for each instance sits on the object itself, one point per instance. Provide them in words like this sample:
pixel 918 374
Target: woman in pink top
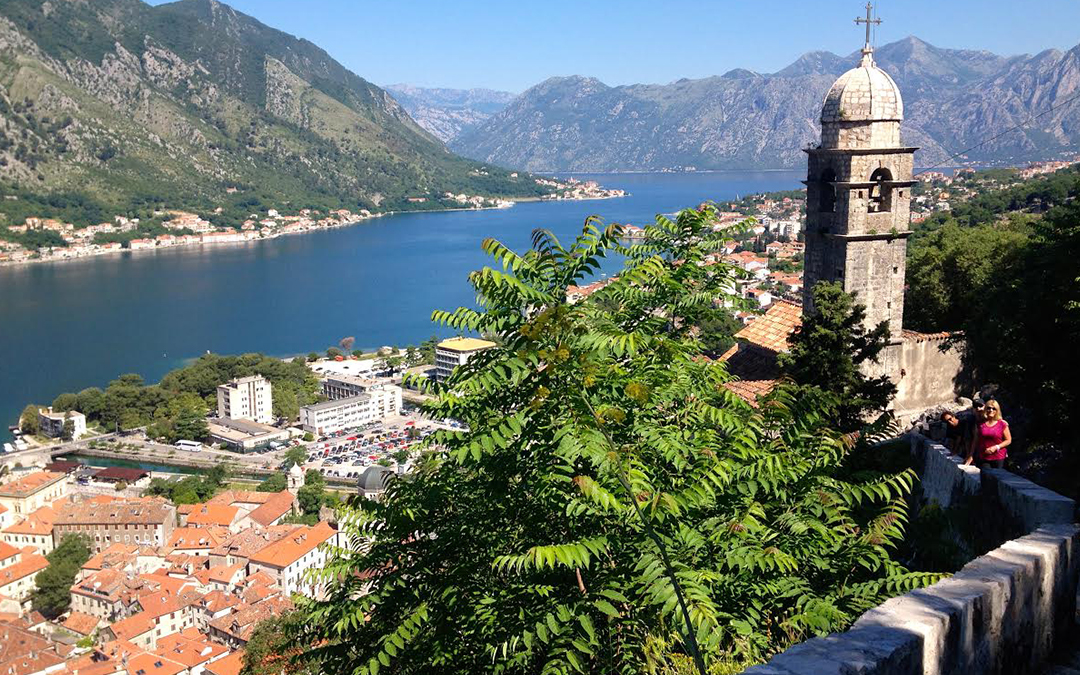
pixel 991 438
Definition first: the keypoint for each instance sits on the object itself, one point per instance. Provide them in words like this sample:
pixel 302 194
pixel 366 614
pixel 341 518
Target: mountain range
pixel 954 99
pixel 194 103
pixel 447 113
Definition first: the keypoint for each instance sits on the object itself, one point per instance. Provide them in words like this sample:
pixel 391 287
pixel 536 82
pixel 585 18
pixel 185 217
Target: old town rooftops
pixel 143 511
pixel 293 547
pixel 277 506
pixel 31 484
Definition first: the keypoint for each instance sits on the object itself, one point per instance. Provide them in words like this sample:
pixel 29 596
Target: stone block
pixel 859 651
pixel 766 669
pixel 935 621
pixel 1028 506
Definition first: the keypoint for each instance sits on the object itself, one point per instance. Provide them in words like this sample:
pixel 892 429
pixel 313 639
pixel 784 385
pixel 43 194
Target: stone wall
pixel 1003 613
pixel 927 376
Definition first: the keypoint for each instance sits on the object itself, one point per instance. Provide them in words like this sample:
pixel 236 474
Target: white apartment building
pixel 246 398
pixel 450 354
pixel 52 423
pixel 386 397
pixel 288 560
pixel 355 411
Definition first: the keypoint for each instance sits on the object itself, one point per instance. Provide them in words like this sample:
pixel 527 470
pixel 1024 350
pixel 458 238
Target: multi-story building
pixel 52 423
pixel 246 398
pixel 449 354
pixel 386 397
pixel 18 567
pixel 29 493
pixel 353 401
pixel 145 521
pixel 288 559
pixel 330 416
pixel 33 530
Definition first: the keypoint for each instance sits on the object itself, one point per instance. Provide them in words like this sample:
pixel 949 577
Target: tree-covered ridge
pixel 176 407
pixel 125 103
pixel 609 491
pixel 1002 271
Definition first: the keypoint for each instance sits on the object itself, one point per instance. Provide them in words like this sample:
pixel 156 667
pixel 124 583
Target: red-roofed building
pixel 24 652
pixel 17 580
pixel 235 628
pixel 272 512
pixel 28 493
pixel 752 360
pixel 288 559
pixel 230 665
pixel 34 530
pixel 220 515
pixel 197 541
pixel 81 624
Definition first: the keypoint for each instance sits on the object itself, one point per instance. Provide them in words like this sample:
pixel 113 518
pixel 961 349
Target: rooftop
pixel 213 514
pixel 278 505
pixel 240 429
pixel 31 563
pixel 30 484
pixel 80 623
pixel 229 665
pixel 773 329
pixel 465 344
pixel 115 474
pixel 144 511
pixel 330 405
pixel 296 545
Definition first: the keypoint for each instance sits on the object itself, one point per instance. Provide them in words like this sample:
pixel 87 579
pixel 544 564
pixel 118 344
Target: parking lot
pixel 346 454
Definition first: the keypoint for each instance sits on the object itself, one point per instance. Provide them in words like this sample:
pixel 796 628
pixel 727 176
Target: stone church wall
pixel 927 376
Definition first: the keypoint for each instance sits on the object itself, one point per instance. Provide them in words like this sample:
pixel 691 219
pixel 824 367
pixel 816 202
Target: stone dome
pixel 865 93
pixel 374 478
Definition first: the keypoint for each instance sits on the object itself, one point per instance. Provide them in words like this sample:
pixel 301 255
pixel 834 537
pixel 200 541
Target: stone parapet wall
pixel 1003 613
pixel 943 476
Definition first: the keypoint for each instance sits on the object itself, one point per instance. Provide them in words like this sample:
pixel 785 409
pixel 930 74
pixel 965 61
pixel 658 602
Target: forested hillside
pixel 1003 269
pixel 196 105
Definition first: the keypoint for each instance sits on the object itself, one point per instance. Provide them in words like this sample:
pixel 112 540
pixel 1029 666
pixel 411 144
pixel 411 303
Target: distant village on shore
pixel 191 229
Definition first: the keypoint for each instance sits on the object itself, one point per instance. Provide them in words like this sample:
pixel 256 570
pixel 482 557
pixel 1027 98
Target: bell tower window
pixel 827 192
pixel 880 192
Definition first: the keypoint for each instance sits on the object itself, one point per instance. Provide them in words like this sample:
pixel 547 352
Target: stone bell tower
pixel 858 195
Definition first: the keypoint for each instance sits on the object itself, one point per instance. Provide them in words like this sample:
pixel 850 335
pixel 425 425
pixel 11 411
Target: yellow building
pixel 450 354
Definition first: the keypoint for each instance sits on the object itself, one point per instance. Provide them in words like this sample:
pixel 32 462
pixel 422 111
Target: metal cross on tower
pixel 868 21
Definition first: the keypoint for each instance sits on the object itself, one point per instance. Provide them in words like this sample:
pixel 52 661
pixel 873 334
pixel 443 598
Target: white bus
pixel 191 446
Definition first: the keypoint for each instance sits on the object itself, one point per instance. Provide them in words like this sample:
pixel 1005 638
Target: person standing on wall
pixel 959 432
pixel 992 437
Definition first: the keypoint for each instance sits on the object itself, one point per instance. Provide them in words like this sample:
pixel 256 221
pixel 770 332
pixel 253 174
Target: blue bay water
pixel 70 325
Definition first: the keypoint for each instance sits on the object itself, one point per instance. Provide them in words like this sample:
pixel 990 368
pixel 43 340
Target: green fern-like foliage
pixel 609 491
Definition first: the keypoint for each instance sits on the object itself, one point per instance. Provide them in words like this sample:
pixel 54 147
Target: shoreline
pixel 275 235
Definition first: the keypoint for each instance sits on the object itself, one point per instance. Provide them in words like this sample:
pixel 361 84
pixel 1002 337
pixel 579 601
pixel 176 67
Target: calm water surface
pixel 66 326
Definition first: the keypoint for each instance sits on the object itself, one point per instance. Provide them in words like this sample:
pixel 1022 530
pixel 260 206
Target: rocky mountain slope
pixel 193 103
pixel 447 113
pixel 954 99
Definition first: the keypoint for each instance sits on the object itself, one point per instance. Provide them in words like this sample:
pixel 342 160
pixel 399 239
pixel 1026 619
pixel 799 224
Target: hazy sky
pixel 513 44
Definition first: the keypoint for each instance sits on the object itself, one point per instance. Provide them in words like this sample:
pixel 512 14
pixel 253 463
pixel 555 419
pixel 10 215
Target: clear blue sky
pixel 514 44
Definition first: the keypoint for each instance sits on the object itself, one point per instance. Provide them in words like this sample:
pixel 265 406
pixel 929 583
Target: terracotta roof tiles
pixel 773 329
pixel 80 623
pixel 277 506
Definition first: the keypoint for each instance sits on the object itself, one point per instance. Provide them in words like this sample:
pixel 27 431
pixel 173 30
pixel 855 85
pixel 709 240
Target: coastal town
pixel 770 249
pixel 178 570
pixel 184 228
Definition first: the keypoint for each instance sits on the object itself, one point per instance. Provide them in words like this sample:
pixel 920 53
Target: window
pixel 880 192
pixel 827 192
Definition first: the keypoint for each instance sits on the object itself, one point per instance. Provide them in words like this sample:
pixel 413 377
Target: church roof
pixel 865 93
pixel 753 358
pixel 772 329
